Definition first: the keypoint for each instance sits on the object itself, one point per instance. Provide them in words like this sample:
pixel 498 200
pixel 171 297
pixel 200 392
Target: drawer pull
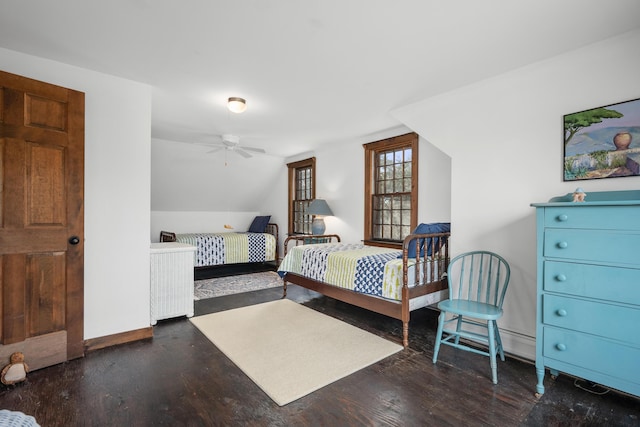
pixel 563 245
pixel 563 217
pixel 562 312
pixel 561 347
pixel 561 278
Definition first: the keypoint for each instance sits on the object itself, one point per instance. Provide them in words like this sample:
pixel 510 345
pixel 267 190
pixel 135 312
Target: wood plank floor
pixel 179 378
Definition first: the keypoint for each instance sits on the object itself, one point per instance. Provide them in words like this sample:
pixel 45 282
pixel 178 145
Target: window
pixel 391 189
pixel 302 190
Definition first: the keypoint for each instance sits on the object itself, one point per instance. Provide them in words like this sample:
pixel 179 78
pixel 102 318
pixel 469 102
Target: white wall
pixel 117 194
pixel 505 138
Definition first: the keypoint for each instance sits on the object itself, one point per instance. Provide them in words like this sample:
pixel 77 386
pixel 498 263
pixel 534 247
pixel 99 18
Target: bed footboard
pixel 272 228
pixel 307 239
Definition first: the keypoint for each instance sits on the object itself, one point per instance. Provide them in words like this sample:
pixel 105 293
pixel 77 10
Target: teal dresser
pixel 588 289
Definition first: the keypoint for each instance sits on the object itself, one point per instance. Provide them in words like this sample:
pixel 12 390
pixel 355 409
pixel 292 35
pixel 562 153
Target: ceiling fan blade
pixel 257 150
pixel 243 153
pixel 230 140
pixel 208 144
pixel 215 150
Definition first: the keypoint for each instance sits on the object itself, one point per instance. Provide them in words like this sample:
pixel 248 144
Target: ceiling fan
pixel 232 143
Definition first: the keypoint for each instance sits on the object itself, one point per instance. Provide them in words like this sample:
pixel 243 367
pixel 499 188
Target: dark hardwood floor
pixel 179 378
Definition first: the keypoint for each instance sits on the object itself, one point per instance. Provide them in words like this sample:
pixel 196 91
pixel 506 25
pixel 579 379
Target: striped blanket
pixel 365 269
pixel 230 248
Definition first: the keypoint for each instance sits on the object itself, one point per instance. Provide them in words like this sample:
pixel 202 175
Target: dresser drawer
pixel 602 217
pixel 592 317
pixel 618 247
pixel 593 281
pixel 593 353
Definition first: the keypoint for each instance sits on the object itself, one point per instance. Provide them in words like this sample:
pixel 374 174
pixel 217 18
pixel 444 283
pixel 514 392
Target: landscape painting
pixel 602 142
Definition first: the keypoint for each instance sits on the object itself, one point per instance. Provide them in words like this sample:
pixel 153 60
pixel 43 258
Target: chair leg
pixel 458 328
pixel 499 341
pixel 436 348
pixel 492 352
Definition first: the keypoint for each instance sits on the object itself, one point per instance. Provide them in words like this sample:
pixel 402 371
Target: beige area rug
pixel 219 286
pixel 290 350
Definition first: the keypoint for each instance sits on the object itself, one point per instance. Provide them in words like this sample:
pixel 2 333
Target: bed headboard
pixel 167 236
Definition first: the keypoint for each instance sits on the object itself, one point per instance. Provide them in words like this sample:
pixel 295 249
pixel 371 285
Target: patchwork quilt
pixel 230 248
pixel 360 268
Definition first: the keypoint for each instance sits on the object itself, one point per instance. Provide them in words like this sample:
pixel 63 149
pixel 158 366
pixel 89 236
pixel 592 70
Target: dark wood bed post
pixel 405 315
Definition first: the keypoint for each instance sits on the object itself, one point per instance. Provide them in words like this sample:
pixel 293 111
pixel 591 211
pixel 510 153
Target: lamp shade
pixel 319 207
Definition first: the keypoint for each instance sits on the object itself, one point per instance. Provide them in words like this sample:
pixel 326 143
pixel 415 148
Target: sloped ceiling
pixel 313 72
pixel 187 178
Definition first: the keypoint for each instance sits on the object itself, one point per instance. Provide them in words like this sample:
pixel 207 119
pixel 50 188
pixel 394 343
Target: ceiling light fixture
pixel 237 105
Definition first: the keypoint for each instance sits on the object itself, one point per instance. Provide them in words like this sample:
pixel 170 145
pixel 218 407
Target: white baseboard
pixel 519 345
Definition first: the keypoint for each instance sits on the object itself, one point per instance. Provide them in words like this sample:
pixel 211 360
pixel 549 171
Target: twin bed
pixel 230 248
pixel 386 281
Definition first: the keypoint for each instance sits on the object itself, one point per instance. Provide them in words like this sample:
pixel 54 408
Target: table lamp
pixel 319 209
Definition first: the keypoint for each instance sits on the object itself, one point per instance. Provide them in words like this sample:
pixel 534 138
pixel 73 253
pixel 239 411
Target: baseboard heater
pixel 171 280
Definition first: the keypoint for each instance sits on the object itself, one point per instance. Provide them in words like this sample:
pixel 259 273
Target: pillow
pixel 259 224
pixel 434 227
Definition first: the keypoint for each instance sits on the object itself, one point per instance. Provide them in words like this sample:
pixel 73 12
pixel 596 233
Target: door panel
pixel 45 297
pixel 45 185
pixel 13 298
pixel 41 208
pixel 45 113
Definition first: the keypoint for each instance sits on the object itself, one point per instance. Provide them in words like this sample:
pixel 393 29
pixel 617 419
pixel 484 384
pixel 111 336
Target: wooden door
pixel 41 221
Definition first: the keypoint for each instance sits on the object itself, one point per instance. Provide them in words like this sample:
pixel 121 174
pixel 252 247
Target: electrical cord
pixel 590 388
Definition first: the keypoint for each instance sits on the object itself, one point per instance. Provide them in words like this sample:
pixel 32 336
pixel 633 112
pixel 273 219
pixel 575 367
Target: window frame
pixel 293 168
pixel 371 151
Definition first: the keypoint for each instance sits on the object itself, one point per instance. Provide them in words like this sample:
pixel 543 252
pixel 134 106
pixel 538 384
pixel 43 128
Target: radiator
pixel 171 280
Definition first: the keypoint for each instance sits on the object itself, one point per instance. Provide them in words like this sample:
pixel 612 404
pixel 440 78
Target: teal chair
pixel 478 281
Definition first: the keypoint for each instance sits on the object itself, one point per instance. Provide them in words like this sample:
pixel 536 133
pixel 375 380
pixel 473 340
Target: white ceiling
pixel 312 72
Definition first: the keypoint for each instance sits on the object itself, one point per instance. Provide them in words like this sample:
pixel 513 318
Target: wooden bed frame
pixel 201 272
pixel 396 309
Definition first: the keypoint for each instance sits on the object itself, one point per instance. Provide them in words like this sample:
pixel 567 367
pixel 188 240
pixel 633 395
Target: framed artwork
pixel 602 142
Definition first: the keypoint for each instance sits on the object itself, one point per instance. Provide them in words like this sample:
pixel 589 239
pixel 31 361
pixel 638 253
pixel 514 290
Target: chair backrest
pixel 480 276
